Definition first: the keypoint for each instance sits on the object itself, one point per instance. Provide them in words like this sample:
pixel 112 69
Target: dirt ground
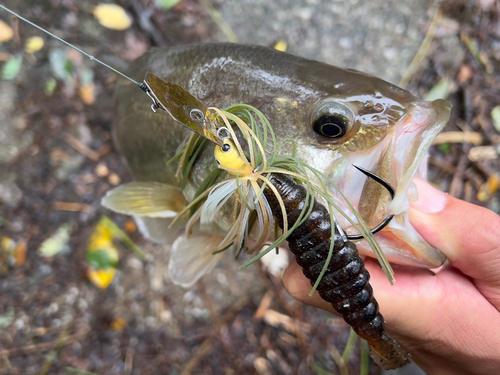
pixel 57 161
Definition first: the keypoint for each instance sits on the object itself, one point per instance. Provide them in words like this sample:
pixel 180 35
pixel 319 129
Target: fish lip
pixel 427 119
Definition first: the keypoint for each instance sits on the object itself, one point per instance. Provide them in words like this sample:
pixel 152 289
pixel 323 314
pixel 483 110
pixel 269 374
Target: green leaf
pixel 55 244
pixel 441 90
pixel 495 116
pixel 50 86
pixel 86 76
pixel 118 233
pixel 100 259
pixel 11 68
pixel 445 148
pixel 7 318
pixel 61 67
pixel 167 4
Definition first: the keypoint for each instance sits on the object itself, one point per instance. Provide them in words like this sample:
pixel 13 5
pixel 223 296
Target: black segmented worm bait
pixel 345 283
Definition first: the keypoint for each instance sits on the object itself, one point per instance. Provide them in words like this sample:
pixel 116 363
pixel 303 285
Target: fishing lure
pixel 345 284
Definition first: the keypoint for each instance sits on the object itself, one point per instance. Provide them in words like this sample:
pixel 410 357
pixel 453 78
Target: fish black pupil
pixel 331 126
pixel 226 147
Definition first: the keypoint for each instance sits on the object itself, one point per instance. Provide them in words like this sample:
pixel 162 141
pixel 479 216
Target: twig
pixel 207 344
pixel 351 342
pixel 217 18
pixel 28 349
pixel 47 363
pixel 422 51
pixel 72 206
pixel 459 137
pixel 339 361
pixel 80 147
pixel 124 238
pixel 365 358
pixel 264 306
pixel 73 370
pixel 129 360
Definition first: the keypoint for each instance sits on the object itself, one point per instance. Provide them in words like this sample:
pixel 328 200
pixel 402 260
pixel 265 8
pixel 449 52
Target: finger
pixel 299 287
pixel 467 234
pixel 432 316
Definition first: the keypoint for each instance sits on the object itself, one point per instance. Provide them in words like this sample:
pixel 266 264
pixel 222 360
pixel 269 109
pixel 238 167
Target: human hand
pixel 449 322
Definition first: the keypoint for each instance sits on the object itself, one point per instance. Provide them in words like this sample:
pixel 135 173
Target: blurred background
pixel 61 314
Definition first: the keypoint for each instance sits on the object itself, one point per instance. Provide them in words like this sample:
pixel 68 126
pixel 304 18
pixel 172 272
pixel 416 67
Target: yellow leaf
pixel 118 324
pixel 281 45
pixel 489 188
pixel 101 278
pixel 101 237
pixel 6 32
pixel 33 44
pixel 112 16
pixel 87 94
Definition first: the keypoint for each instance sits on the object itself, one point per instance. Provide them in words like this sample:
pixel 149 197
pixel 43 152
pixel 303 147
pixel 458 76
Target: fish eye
pixel 226 147
pixel 332 119
pixel 331 126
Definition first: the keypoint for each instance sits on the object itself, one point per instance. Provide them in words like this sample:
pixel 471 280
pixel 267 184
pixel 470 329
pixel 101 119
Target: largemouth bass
pixel 337 118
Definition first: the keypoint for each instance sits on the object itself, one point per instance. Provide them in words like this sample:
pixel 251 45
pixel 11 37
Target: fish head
pixel 370 123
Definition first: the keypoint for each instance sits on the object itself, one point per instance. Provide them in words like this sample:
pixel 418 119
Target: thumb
pixel 467 234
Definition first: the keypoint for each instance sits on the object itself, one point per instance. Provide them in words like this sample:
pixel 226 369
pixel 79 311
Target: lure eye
pixel 332 119
pixel 331 126
pixel 226 147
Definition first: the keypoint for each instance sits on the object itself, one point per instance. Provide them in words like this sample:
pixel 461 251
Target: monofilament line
pixel 69 44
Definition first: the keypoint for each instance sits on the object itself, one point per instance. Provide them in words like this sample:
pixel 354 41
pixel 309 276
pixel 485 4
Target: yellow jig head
pixel 229 157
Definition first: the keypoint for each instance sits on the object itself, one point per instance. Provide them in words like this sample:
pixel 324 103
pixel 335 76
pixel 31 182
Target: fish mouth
pixel 411 140
pixel 404 157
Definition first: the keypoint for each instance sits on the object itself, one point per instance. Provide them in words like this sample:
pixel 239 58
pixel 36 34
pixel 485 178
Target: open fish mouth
pixel 404 156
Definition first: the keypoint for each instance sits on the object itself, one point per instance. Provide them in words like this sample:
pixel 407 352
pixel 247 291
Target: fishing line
pixel 92 58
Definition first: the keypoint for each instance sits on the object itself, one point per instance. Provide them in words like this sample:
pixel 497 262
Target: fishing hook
pixel 387 219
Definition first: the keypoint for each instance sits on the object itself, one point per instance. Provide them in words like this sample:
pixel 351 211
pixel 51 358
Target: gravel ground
pixel 52 319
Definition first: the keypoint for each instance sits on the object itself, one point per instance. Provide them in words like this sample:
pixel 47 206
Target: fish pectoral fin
pixel 145 198
pixel 193 257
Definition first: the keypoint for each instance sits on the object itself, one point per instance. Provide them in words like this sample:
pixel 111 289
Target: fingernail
pixel 430 199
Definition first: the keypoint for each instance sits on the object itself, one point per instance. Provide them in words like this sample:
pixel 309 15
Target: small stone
pixel 114 179
pixel 101 170
pixel 166 316
pixel 19 324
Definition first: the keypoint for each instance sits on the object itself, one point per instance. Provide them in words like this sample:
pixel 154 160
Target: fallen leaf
pixel 50 86
pixel 130 226
pixel 101 278
pixel 11 68
pixel 495 116
pixel 6 32
pixel 7 318
pixel 56 243
pixel 118 324
pixel 167 4
pixel 112 16
pixel 62 68
pixel 87 93
pixel 489 188
pixel 281 45
pixel 441 90
pixel 20 252
pixel 34 44
pixel 101 255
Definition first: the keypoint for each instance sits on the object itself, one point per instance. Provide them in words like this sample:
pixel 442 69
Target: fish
pixel 337 117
